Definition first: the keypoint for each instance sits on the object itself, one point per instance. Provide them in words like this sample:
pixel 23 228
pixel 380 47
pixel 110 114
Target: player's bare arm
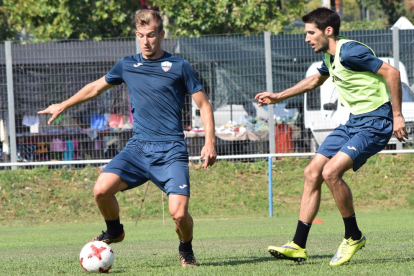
pixel 208 151
pixel 391 75
pixel 88 92
pixel 301 87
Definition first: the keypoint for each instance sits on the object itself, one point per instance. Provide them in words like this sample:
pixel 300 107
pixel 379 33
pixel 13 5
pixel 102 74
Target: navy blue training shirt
pixel 157 88
pixel 357 57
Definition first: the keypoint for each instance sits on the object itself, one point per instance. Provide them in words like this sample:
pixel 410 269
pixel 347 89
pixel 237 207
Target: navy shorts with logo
pixel 164 163
pixel 359 142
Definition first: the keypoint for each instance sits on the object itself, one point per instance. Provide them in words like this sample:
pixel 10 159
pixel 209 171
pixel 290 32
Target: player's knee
pixel 100 191
pixel 311 173
pixel 329 174
pixel 179 216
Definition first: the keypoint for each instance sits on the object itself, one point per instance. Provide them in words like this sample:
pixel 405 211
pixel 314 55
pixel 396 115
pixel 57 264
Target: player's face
pixel 316 38
pixel 149 39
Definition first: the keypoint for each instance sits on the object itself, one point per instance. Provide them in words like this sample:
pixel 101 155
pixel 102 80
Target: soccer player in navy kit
pixel 364 84
pixel 157 83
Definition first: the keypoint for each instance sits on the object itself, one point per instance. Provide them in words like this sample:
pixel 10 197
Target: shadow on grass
pixel 235 261
pixel 317 259
pixel 116 271
pixel 383 260
pixel 314 260
pixel 311 261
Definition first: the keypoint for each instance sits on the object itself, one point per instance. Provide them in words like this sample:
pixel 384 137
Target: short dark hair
pixel 323 18
pixel 144 17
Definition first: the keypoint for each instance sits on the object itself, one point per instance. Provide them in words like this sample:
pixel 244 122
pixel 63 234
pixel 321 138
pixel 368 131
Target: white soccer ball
pixel 96 257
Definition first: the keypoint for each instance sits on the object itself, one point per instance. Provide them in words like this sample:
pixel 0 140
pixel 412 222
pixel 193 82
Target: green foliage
pixel 410 200
pixel 312 5
pixel 6 31
pixel 65 19
pixel 228 189
pixel 377 24
pixel 350 9
pixel 41 195
pixel 200 17
pixel 394 9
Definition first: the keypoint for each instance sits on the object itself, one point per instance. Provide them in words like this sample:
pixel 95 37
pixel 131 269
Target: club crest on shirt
pixel 166 65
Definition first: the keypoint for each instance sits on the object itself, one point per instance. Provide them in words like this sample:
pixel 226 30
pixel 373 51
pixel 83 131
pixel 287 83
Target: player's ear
pixel 329 31
pixel 162 34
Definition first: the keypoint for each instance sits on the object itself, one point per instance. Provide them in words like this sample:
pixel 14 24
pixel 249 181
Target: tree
pixel 199 17
pixel 4 29
pixel 350 9
pixel 393 9
pixel 66 19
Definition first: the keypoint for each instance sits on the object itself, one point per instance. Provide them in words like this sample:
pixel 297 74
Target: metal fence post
pixel 269 88
pixel 396 55
pixel 269 165
pixel 10 101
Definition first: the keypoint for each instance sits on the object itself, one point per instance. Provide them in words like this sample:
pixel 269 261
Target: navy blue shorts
pixel 164 163
pixel 360 142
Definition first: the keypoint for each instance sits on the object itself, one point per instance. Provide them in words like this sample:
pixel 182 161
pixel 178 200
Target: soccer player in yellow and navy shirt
pixel 365 84
pixel 157 84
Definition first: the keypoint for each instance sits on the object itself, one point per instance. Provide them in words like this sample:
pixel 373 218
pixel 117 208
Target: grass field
pixel 222 247
pixel 46 216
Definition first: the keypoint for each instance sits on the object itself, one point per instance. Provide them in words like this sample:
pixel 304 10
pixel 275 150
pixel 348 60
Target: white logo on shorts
pixel 183 186
pixel 353 148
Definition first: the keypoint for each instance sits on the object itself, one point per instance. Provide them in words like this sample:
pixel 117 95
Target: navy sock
pixel 351 228
pixel 114 228
pixel 301 235
pixel 186 246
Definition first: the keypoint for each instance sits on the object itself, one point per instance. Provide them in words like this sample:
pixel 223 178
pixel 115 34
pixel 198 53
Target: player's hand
pixel 209 153
pixel 266 98
pixel 400 131
pixel 54 109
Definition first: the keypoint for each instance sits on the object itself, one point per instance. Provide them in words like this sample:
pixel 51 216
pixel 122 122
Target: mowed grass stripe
pixel 222 247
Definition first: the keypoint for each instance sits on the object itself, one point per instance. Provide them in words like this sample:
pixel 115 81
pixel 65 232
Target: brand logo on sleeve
pixel 138 64
pixel 166 65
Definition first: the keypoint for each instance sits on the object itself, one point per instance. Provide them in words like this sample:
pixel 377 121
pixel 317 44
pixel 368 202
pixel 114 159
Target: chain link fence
pixel 232 69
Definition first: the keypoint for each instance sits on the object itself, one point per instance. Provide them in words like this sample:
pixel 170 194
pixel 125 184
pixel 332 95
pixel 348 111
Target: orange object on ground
pixel 317 221
pixel 283 138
